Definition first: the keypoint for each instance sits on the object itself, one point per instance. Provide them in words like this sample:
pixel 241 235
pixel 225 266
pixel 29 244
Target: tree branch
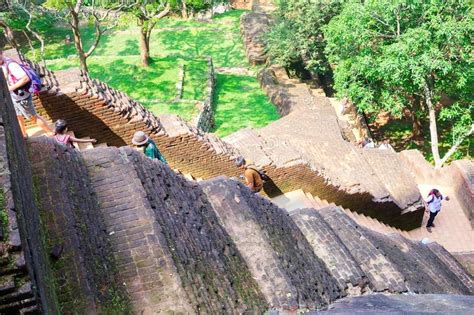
pixel 98 35
pixel 77 7
pixel 456 145
pixel 35 34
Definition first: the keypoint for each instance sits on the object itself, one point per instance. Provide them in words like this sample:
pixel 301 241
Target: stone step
pixel 382 275
pixel 100 145
pixel 418 263
pixel 10 299
pixel 7 284
pixel 84 146
pixel 329 248
pixel 289 276
pixel 453 265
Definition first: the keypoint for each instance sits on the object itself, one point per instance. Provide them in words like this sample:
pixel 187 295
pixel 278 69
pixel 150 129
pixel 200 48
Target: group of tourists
pixel 368 143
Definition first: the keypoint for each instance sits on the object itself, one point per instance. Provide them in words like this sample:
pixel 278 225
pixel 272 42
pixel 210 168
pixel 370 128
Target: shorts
pixel 25 107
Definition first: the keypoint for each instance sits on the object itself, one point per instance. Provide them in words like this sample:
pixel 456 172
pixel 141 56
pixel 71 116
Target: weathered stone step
pixel 289 273
pixel 167 239
pixel 9 300
pixel 296 199
pixel 144 262
pixel 422 270
pixel 453 265
pixel 382 275
pixel 329 247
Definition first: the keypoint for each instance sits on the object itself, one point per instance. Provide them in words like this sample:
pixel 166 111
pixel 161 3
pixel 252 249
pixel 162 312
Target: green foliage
pixel 297 36
pixel 386 52
pixel 3 215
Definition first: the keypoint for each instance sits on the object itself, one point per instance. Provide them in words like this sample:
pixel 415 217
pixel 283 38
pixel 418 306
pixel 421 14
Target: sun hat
pixel 139 138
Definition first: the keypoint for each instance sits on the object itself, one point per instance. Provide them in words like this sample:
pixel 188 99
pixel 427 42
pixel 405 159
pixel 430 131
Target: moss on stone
pixel 3 215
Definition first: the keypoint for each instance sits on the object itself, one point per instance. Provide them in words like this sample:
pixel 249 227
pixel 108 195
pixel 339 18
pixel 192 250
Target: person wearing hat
pixel 141 140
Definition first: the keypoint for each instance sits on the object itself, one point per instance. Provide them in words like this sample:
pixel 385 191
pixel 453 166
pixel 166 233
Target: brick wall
pixel 25 281
pixel 205 119
pixel 93 109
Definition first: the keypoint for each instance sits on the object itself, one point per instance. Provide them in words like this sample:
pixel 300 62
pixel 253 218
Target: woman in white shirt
pixel 433 205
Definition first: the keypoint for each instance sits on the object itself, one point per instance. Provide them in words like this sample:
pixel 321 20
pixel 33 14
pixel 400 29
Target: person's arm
pixel 19 74
pixel 249 181
pixel 21 82
pixel 74 139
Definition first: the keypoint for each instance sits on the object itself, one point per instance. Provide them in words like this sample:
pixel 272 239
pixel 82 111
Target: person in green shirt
pixel 149 147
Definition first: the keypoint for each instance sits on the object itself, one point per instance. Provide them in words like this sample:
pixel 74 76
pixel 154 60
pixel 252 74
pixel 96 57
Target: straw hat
pixel 139 138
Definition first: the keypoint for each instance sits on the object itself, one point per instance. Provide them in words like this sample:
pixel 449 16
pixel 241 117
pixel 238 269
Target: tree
pixel 297 36
pixel 73 11
pixel 148 13
pixel 397 55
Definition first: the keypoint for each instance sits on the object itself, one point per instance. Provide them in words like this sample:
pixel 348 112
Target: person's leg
pixel 35 118
pixel 21 122
pixel 431 219
pixel 42 123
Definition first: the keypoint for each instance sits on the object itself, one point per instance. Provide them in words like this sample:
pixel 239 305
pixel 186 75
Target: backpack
pixel 262 174
pixel 431 193
pixel 34 86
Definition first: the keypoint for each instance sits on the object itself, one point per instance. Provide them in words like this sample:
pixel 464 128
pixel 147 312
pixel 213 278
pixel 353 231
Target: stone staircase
pixel 212 246
pixel 453 229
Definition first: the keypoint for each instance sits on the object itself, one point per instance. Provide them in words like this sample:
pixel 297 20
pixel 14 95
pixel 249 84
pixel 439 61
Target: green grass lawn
pixel 239 100
pixel 240 103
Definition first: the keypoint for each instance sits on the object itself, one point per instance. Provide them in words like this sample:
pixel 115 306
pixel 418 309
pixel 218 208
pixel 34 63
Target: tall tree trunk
pixel 78 41
pixel 428 91
pixel 144 47
pixel 417 125
pixel 184 10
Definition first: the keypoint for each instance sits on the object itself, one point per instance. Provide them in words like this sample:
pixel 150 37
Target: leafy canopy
pixel 384 51
pixel 297 34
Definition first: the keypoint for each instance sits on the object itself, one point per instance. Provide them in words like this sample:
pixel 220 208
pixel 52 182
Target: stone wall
pixel 205 118
pixel 25 284
pixel 252 27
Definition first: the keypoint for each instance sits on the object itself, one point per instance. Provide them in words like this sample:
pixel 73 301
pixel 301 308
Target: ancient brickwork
pixel 454 265
pixel 94 109
pixel 205 119
pixel 252 27
pixel 16 293
pixel 290 274
pixel 417 263
pixel 329 247
pixel 382 274
pixel 144 263
pixel 83 268
pixel 166 238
